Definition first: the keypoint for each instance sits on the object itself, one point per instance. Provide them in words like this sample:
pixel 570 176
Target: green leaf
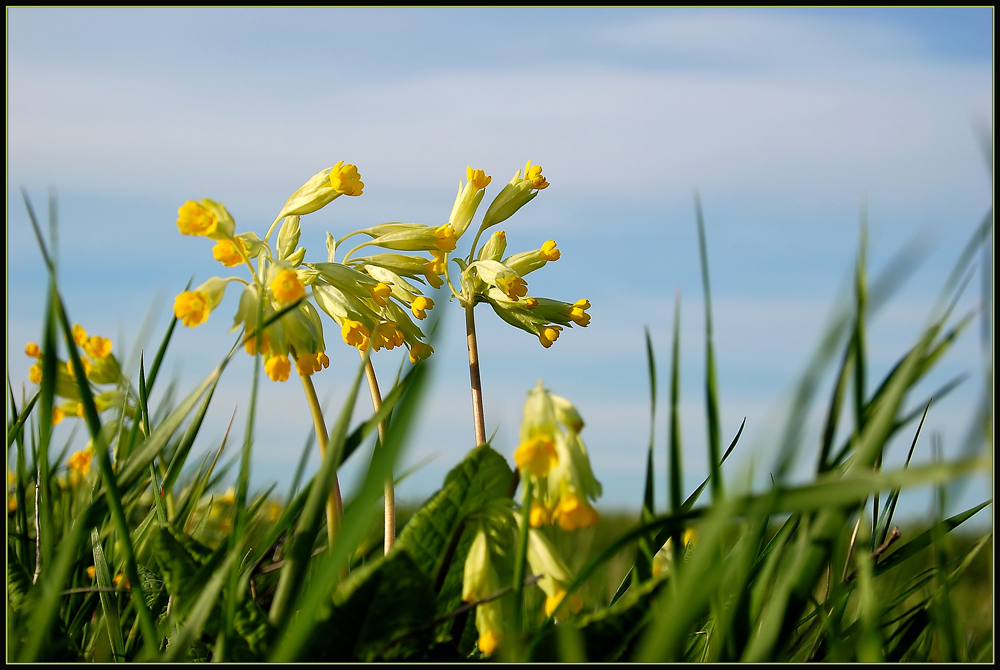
pixel 372 608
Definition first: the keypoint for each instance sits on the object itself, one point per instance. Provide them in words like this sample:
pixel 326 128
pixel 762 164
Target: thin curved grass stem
pixel 390 493
pixel 334 504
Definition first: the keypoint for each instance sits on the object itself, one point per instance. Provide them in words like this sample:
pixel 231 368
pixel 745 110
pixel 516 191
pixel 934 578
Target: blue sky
pixel 781 119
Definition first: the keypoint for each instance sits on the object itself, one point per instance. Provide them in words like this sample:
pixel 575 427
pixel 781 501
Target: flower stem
pixel 334 505
pixel 476 381
pixel 390 493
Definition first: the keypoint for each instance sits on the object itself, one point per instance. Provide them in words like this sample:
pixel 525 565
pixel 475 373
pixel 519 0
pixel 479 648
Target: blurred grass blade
pixel 109 603
pixel 711 394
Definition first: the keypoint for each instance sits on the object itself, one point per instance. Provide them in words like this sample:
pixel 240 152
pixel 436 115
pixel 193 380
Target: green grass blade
pixel 109 604
pixel 711 394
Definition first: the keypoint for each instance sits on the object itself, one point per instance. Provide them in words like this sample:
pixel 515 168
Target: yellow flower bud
pixel 191 307
pixel 79 335
pixel 97 347
pixel 549 251
pixel 578 312
pixel 355 333
pixel 478 178
pixel 346 180
pixel 32 350
pixel 227 253
pixel 277 368
pixel 548 335
pixel 35 374
pixel 533 174
pixel 80 460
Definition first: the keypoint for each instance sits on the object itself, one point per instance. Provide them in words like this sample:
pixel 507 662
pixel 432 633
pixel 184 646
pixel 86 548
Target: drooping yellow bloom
pixel 578 312
pixel 539 515
pixel 530 303
pixel 549 251
pixel 35 374
pixel 548 335
pixel 79 335
pixel 345 179
pixel 277 368
pixel 287 288
pixel 191 307
pixel 32 350
pixel 478 178
pixel 554 603
pixel 193 219
pixel 436 265
pixel 514 286
pixel 355 333
pixel 306 364
pixel 446 238
pixel 533 173
pixel 537 455
pixel 228 253
pixel 419 306
pixel 420 351
pixel 380 292
pixel 72 371
pixel 574 512
pixel 80 460
pixel 97 347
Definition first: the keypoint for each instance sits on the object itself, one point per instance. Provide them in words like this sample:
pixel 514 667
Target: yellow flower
pixel 32 350
pixel 533 174
pixel 530 303
pixel 380 292
pixel 419 305
pixel 478 178
pixel 554 602
pixel 480 580
pixel 537 455
pixel 512 285
pixel 306 364
pixel 123 580
pixel 91 572
pixel 277 368
pixel 193 219
pixel 57 416
pixel 549 251
pixel 72 372
pixel 539 515
pixel 578 312
pixel 228 253
pixel 574 512
pixel 80 460
pixel 97 347
pixel 79 335
pixel 420 351
pixel 548 335
pixel 80 412
pixel 11 504
pixel 355 333
pixel 446 238
pixel 35 374
pixel 345 179
pixel 436 264
pixel 287 288
pixel 191 307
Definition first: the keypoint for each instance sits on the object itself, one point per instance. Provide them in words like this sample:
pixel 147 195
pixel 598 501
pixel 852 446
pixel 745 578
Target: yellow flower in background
pixel 228 253
pixel 578 313
pixel 537 455
pixel 548 335
pixel 533 174
pixel 436 265
pixel 446 238
pixel 278 368
pixel 549 251
pixel 35 374
pixel 97 347
pixel 57 416
pixel 72 371
pixel 32 350
pixel 574 512
pixel 554 602
pixel 346 180
pixel 512 285
pixel 355 333
pixel 79 335
pixel 380 292
pixel 193 219
pixel 419 306
pixel 287 288
pixel 479 581
pixel 306 364
pixel 478 178
pixel 80 460
pixel 539 515
pixel 419 351
pixel 191 307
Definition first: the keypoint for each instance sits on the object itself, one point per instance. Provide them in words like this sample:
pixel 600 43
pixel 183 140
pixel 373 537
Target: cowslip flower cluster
pixel 369 299
pixel 489 275
pixel 553 455
pixel 99 365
